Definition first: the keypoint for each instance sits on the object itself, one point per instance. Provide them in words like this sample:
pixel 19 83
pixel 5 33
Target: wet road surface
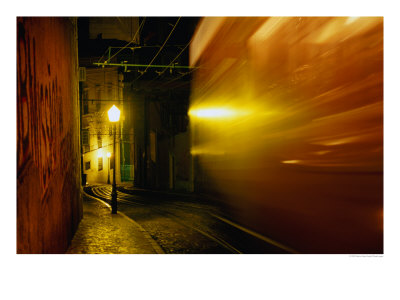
pixel 187 224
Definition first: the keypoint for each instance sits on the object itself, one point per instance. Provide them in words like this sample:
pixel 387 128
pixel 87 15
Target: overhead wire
pixel 102 55
pixel 170 64
pixel 177 78
pixel 159 49
pixel 133 39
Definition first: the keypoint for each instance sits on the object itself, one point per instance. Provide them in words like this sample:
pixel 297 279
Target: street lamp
pixel 108 177
pixel 113 116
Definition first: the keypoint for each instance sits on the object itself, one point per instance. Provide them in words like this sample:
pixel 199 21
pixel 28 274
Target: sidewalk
pixel 101 232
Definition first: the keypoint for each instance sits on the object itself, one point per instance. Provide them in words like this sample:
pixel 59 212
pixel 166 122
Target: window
pixel 87 165
pixel 85 140
pixel 85 136
pixel 85 102
pixel 82 74
pixel 100 163
pixel 99 141
pixel 85 107
pixel 86 148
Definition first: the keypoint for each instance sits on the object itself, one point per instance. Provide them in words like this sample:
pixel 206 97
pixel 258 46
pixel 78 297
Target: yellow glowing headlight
pixel 215 113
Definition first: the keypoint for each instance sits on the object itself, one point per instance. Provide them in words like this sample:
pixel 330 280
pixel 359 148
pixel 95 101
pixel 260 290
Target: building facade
pixel 101 89
pixel 153 138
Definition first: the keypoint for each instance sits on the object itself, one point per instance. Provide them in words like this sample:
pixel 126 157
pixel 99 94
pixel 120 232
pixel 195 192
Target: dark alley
pixel 176 154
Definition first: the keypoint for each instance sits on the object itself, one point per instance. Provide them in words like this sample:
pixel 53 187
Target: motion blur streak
pixel 213 113
pixel 287 127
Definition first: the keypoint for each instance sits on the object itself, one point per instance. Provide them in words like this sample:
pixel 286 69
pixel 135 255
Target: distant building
pixel 101 89
pixel 120 28
pixel 153 142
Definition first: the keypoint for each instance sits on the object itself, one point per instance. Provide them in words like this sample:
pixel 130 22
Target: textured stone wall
pixel 49 205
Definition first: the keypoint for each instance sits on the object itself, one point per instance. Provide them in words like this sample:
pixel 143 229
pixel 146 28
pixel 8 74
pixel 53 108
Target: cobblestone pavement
pixel 185 223
pixel 101 232
pixel 176 231
pixel 179 224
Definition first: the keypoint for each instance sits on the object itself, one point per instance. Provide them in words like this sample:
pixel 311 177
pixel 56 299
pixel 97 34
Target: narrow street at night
pixel 207 143
pixel 186 223
pixel 249 142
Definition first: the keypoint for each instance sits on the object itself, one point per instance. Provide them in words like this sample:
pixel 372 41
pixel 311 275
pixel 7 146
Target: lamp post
pixel 113 116
pixel 108 176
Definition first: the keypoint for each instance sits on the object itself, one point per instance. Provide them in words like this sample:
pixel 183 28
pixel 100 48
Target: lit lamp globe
pixel 113 114
pixel 108 154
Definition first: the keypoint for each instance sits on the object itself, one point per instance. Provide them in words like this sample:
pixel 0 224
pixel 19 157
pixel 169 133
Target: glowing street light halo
pixel 114 114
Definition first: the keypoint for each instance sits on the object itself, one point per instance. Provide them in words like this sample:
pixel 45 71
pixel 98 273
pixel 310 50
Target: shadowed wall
pixel 49 205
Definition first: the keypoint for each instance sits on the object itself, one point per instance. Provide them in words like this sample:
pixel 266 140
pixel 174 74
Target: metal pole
pixel 114 187
pixel 108 177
